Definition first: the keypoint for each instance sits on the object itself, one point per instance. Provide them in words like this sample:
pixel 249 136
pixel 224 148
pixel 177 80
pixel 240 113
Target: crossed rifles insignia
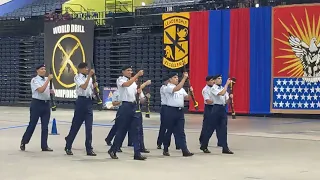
pixel 67 58
pixel 176 46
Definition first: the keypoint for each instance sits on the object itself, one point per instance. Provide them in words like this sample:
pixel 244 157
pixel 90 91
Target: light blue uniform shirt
pixel 80 79
pixel 36 83
pixel 217 99
pixel 127 93
pixel 175 99
pixel 207 95
pixel 163 95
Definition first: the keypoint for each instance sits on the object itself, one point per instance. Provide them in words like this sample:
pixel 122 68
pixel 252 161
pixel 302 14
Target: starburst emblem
pixel 302 58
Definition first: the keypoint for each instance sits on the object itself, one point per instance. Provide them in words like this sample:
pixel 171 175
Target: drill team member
pixel 128 115
pixel 115 102
pixel 219 116
pixel 83 109
pixel 143 149
pixel 162 129
pixel 39 108
pixel 175 120
pixel 208 101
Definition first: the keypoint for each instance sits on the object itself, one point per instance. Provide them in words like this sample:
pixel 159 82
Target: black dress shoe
pixel 112 155
pixel 144 151
pixel 119 150
pixel 22 147
pixel 68 152
pixel 187 154
pixel 91 153
pixel 139 157
pixel 47 149
pixel 158 146
pixel 205 150
pixel 166 153
pixel 226 151
pixel 108 142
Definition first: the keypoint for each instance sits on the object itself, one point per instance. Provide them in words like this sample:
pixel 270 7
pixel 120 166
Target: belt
pixel 129 102
pixel 39 100
pixel 178 108
pixel 85 97
pixel 219 105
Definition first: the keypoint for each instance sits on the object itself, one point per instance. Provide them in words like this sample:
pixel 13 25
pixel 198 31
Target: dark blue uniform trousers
pixel 113 132
pixel 128 119
pixel 207 115
pixel 140 132
pixel 82 112
pixel 38 109
pixel 219 120
pixel 174 123
pixel 162 130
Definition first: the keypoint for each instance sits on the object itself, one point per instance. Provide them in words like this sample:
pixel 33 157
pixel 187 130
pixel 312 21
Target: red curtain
pixel 198 55
pixel 240 57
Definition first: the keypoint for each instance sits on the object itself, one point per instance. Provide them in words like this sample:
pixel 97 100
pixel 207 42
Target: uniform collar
pixel 41 77
pixel 217 85
pixel 125 77
pixel 84 75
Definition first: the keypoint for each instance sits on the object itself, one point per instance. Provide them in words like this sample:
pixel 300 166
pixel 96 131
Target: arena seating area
pixel 119 40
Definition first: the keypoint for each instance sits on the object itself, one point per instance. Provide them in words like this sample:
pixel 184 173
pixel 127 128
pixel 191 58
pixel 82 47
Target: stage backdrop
pixel 234 43
pixel 67 43
pixel 296 60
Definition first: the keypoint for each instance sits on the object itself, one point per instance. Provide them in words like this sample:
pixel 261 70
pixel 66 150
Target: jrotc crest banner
pixel 176 39
pixel 296 60
pixel 67 43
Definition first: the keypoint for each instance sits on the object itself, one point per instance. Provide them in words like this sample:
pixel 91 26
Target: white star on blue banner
pixel 295 93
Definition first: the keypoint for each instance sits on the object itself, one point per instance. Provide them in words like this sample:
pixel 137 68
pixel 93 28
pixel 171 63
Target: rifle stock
pixel 195 103
pixel 96 89
pixel 52 100
pixel 148 103
pixel 139 83
pixel 233 114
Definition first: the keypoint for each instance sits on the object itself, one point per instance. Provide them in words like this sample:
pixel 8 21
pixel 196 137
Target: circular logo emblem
pixel 67 54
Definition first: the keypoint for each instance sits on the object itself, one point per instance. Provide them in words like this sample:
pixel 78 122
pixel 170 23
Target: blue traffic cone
pixel 54 130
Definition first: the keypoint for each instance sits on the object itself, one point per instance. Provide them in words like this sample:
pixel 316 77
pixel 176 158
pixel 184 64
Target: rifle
pixel 53 103
pixel 195 103
pixel 96 89
pixel 148 96
pixel 231 92
pixel 139 83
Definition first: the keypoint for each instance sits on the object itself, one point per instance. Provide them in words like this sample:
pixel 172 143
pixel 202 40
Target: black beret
pixel 208 78
pixel 216 76
pixel 125 67
pixel 166 78
pixel 82 65
pixel 172 74
pixel 40 66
